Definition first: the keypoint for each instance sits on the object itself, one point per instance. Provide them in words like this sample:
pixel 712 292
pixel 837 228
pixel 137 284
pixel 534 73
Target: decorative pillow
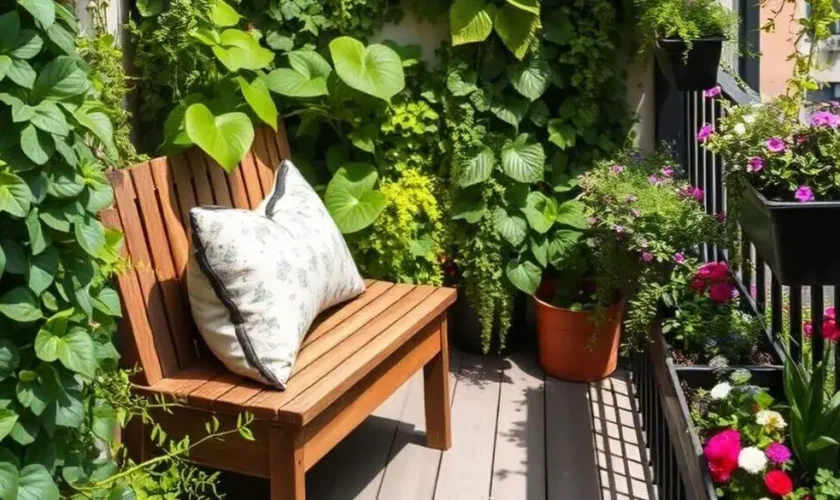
pixel 256 283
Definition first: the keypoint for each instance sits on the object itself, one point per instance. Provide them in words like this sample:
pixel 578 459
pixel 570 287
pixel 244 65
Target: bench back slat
pixel 152 203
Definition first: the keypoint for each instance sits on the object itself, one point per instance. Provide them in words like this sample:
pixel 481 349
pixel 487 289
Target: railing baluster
pixel 776 306
pixel 796 322
pixel 746 263
pixel 817 341
pixel 760 284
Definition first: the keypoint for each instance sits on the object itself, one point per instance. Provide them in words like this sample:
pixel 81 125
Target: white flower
pixel 771 419
pixel 740 129
pixel 720 391
pixel 763 498
pixel 752 460
pixel 749 119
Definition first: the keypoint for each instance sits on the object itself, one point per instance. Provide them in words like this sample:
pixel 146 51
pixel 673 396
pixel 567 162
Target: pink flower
pixel 775 145
pixel 697 194
pixel 777 453
pixel 698 285
pixel 679 257
pixel 714 271
pixel 712 92
pixel 804 194
pixel 667 171
pixel 808 329
pixel 654 180
pixel 636 213
pixel 647 256
pixel 620 232
pixel 705 132
pixel 824 119
pixel 829 313
pixel 721 216
pixel 721 453
pixel 830 330
pixel 617 169
pixel 721 292
pixel 756 164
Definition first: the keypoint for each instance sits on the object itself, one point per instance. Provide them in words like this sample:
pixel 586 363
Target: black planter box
pixel 465 327
pixel 799 241
pixel 696 70
pixel 676 450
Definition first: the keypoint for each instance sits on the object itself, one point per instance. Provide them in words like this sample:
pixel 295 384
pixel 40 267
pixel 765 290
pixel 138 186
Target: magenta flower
pixel 705 132
pixel 667 171
pixel 712 92
pixel 647 256
pixel 697 194
pixel 631 198
pixel 721 216
pixel 620 232
pixel 804 194
pixel 654 180
pixel 824 119
pixel 617 169
pixel 756 164
pixel 775 145
pixel 679 257
pixel 778 453
pixel 722 292
pixel 636 213
pixel 808 329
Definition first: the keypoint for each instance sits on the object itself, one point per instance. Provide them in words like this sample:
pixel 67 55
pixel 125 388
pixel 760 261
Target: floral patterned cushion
pixel 257 279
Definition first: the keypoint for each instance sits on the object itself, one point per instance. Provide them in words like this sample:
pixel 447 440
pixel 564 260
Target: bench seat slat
pixel 218 178
pixel 263 162
pixel 252 180
pixel 200 176
pixel 327 320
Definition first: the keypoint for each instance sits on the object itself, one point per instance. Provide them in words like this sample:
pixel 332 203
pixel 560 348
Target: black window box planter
pixel 690 69
pixel 680 469
pixel 797 240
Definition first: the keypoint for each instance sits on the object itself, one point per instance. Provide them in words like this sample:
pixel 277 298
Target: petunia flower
pixel 654 180
pixel 775 145
pixel 804 194
pixel 712 92
pixel 617 169
pixel 720 216
pixel 697 194
pixel 667 171
pixel 679 257
pixel 824 119
pixel 636 213
pixel 705 132
pixel 721 292
pixel 647 256
pixel 698 285
pixel 756 164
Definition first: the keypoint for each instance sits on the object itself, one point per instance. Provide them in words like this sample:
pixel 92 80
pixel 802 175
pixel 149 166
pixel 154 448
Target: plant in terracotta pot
pixel 687 37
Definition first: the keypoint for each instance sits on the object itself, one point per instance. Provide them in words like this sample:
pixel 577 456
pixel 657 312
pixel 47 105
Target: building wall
pixel 775 69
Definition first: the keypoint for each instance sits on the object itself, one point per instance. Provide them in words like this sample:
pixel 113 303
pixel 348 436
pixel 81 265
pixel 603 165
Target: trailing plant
pixel 685 20
pixel 531 126
pixel 105 58
pixel 205 74
pixel 645 224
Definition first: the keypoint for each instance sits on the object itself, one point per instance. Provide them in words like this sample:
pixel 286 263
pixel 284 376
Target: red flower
pixel 721 292
pixel 722 454
pixel 778 483
pixel 698 285
pixel 713 271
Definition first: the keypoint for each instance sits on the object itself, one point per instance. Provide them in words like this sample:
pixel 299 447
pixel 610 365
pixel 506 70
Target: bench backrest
pixel 152 203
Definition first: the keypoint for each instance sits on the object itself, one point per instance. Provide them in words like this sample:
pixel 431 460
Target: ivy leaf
pixel 571 213
pixel 257 96
pixel 65 182
pixel 226 138
pixel 516 27
pixel 541 212
pixel 21 305
pixel 523 159
pixel 223 15
pixel 561 242
pixel 561 134
pixel 42 270
pixel 512 110
pixel 62 38
pixel 42 10
pixel 512 228
pixel 351 199
pixel 239 50
pixel 25 430
pixel 37 239
pixel 76 350
pixel 108 302
pixel 364 137
pixel 375 70
pixel 36 145
pixel 9 357
pixel 15 260
pixel 98 123
pixel 538 243
pixel 37 484
pixel 21 73
pixel 98 198
pixel 15 196
pixel 104 422
pixel 470 21
pixel 469 205
pixel 8 418
pixel 477 169
pixel 49 118
pixel 28 45
pixel 90 235
pixel 59 79
pixel 531 78
pixel 524 274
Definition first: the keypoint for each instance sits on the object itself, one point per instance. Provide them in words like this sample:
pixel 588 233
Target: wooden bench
pixel 355 356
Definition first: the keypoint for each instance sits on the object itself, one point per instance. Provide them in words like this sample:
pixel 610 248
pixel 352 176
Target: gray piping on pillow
pixel 279 188
pixel 233 311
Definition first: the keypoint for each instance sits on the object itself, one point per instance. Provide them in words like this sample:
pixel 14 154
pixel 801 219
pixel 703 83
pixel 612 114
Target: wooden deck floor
pixel 518 435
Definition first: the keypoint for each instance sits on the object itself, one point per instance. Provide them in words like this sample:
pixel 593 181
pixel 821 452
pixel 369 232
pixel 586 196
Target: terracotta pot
pixel 571 347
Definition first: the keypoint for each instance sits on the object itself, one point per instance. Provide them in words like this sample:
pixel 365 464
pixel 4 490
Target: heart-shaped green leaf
pixel 531 78
pixel 513 228
pixel 516 27
pixel 524 274
pixel 90 235
pixel 478 168
pixel 9 477
pixel 75 350
pixel 60 78
pixel 376 70
pixel 20 304
pixel 42 10
pixel 541 212
pixel 306 78
pixel 351 199
pixel 42 270
pixel 15 196
pixel 37 146
pixel 37 484
pixel 523 159
pixel 470 21
pixel 510 110
pixel 572 213
pixel 240 50
pixel 560 244
pixel 257 96
pixel 8 418
pixel 223 15
pixel 226 138
pixel 469 205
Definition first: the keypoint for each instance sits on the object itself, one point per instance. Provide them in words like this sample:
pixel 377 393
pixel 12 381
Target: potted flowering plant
pixel 687 37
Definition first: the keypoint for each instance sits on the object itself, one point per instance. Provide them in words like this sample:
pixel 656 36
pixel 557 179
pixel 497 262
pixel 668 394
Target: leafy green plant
pixel 515 22
pixel 686 20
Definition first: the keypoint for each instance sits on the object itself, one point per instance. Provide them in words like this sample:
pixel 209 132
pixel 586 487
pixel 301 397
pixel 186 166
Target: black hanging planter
pixel 690 69
pixel 797 240
pixel 465 327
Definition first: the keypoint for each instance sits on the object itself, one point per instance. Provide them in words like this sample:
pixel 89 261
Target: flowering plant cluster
pixel 829 326
pixel 744 440
pixel 645 225
pixel 785 156
pixel 703 318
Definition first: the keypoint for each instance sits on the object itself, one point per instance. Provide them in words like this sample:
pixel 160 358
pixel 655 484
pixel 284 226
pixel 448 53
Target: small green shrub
pixel 683 19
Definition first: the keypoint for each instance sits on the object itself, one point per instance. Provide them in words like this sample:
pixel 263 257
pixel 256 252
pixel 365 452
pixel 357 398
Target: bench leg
pixel 436 389
pixel 288 478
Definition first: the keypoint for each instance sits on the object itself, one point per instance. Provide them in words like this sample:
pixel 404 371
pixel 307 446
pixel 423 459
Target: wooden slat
pixel 205 396
pixel 252 180
pixel 237 190
pixel 201 181
pixel 141 263
pixel 269 138
pixel 465 469
pixel 185 382
pixel 323 433
pixel 218 181
pixel 263 162
pixel 281 139
pixel 330 319
pixel 323 344
pixel 519 461
pixel 176 228
pixel 184 191
pixel 320 395
pixel 134 320
pixel 234 400
pixel 176 305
